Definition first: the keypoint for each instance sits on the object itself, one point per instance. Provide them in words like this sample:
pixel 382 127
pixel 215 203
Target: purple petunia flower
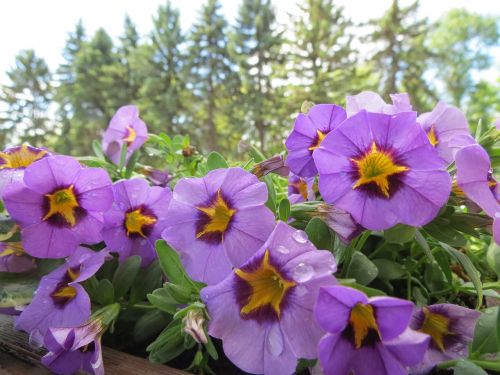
pixel 59 206
pixel 14 259
pixel 137 219
pixel 60 301
pixel 275 164
pixel 308 132
pixel 475 179
pixel 125 128
pixel 451 329
pixel 218 222
pixel 13 162
pixel 75 349
pixel 300 189
pixel 372 102
pixel 366 335
pixel 339 221
pixel 156 177
pixel 382 170
pixel 263 312
pixel 444 123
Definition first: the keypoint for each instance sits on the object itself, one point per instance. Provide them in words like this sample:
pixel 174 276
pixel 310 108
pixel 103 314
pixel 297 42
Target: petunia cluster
pixel 267 290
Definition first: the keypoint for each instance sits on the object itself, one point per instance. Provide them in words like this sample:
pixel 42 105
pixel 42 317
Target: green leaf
pixel 104 294
pixel 469 268
pixel 370 292
pixel 168 345
pixel 97 148
pixel 362 269
pixel 211 347
pixel 125 275
pixel 444 263
pixel 149 325
pixel 442 231
pixel 163 300
pixel 148 280
pixel 284 210
pixel 172 267
pixel 123 156
pixel 216 161
pixel 389 270
pixel 434 277
pixel 319 234
pixel 487 333
pixel 181 294
pixel 464 367
pixel 422 242
pixel 132 161
pixel 493 258
pixel 271 199
pixel 400 233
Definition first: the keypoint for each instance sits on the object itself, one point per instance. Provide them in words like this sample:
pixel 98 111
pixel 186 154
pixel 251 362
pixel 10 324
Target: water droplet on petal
pixel 275 340
pixel 283 249
pixel 300 236
pixel 300 290
pixel 302 272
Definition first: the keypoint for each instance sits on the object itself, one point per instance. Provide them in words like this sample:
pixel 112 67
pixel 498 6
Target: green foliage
pixel 27 99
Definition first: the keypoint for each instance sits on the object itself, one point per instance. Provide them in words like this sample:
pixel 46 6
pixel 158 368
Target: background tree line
pixel 222 83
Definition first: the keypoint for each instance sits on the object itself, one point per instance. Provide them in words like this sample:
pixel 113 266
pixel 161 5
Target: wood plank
pixel 15 344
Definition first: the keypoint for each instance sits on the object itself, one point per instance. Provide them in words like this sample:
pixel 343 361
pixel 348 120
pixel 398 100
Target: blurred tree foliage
pixel 220 83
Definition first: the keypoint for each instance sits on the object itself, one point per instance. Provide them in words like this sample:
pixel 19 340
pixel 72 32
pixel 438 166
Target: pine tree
pixel 462 45
pixel 255 46
pixel 129 43
pixel 69 108
pixel 323 58
pixel 211 75
pixel 27 99
pixel 161 64
pixel 403 55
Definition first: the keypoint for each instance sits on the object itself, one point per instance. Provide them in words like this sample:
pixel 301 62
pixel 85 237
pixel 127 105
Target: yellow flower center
pixel 362 321
pixel 130 137
pixel 64 294
pixel 431 134
pixel 219 216
pixel 136 221
pixel 268 287
pixel 319 138
pixel 21 157
pixel 63 202
pixel 301 187
pixel 376 167
pixel 12 248
pixel 437 327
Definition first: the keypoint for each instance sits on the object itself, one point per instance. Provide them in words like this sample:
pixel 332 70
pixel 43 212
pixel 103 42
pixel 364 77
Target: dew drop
pixel 300 290
pixel 275 341
pixel 283 249
pixel 302 272
pixel 300 236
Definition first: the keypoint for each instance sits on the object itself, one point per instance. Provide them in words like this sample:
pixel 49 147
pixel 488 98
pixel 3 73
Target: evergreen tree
pixel 161 65
pixel 211 77
pixel 101 86
pixel 403 55
pixel 255 46
pixel 323 59
pixel 462 44
pixel 127 53
pixel 66 96
pixel 27 100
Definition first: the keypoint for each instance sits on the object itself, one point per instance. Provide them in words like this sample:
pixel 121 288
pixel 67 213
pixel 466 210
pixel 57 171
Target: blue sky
pixel 43 25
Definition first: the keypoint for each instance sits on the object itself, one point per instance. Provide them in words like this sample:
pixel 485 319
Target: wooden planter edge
pixel 15 344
